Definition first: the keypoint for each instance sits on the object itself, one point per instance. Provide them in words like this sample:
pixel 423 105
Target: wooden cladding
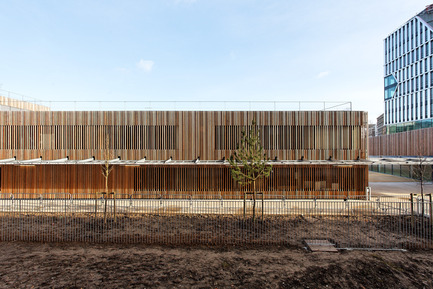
pixel 183 135
pixel 196 180
pixel 85 137
pixel 409 143
pixel 285 137
pixel 298 178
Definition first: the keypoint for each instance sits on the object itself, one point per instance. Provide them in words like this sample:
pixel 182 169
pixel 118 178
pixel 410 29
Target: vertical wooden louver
pixel 182 135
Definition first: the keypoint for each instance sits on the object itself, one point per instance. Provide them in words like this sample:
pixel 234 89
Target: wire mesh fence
pixel 374 224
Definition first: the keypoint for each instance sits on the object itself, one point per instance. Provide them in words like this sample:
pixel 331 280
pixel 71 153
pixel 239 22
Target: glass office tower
pixel 408 74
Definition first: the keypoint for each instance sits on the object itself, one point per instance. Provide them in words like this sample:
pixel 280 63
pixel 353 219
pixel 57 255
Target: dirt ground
pixel 38 265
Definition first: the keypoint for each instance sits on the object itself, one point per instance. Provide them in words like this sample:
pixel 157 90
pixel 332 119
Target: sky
pixel 199 50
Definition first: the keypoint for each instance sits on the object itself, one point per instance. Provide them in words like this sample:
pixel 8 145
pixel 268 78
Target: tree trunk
pixel 254 199
pixel 105 199
pixel 422 196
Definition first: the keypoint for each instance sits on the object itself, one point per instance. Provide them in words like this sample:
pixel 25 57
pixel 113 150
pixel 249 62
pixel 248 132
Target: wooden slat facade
pixel 182 135
pixel 83 181
pixel 409 143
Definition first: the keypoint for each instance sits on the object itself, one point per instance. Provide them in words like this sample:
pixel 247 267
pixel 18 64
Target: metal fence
pixel 406 171
pixel 375 224
pixel 164 105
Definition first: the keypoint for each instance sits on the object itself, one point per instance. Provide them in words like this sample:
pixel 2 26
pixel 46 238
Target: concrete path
pixel 385 185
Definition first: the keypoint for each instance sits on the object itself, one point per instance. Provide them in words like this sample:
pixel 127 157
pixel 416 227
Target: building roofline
pixel 171 162
pixel 416 15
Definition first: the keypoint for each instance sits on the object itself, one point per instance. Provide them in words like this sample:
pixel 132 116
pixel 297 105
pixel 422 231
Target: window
pixel 407 107
pixel 399 109
pixel 411 107
pixel 420 105
pixel 420 33
pixel 390 85
pixel 431 102
pixel 392 111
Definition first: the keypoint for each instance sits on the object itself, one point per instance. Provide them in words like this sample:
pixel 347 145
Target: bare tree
pixel 249 163
pixel 106 169
pixel 421 172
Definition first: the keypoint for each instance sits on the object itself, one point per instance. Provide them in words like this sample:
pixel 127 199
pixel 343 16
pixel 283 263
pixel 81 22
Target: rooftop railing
pixel 194 105
pixel 173 105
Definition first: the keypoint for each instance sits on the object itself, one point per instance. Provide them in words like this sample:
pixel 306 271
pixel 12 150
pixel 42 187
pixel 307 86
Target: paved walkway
pixel 383 185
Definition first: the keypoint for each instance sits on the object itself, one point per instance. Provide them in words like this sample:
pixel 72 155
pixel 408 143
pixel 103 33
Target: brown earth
pixel 72 265
pixel 355 231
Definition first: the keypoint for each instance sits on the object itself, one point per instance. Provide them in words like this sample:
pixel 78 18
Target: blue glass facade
pixel 408 75
pixel 390 86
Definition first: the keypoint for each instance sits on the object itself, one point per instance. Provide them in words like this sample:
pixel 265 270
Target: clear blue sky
pixel 199 49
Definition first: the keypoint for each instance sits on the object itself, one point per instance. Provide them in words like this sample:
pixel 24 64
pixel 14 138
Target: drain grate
pixel 318 245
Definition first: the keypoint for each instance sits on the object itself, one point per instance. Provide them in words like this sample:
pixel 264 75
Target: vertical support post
pixel 348 220
pixel 245 203
pixel 96 204
pixel 411 208
pixel 114 205
pixel 400 216
pixel 20 220
pixel 430 210
pixel 263 204
pixel 105 206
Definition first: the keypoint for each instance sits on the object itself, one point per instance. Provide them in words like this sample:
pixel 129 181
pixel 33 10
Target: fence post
pixel 245 203
pixel 348 221
pixel 411 208
pixel 20 220
pixel 399 218
pixel 263 204
pixel 430 210
pixel 96 204
pixel 114 204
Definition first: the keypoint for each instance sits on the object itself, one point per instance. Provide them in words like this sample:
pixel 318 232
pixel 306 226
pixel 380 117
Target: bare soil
pixel 358 231
pixel 73 265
